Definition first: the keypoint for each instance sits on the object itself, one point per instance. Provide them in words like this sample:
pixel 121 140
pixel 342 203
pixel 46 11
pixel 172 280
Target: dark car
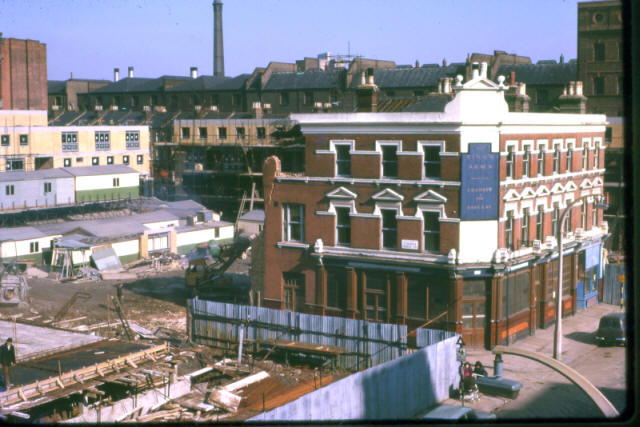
pixel 611 329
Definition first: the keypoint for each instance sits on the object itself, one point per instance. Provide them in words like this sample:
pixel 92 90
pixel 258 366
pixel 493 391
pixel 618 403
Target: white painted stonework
pixel 478 241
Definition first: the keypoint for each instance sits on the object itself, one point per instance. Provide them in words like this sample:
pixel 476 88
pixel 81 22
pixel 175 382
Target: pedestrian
pixel 478 369
pixel 467 377
pixel 7 359
pixel 119 290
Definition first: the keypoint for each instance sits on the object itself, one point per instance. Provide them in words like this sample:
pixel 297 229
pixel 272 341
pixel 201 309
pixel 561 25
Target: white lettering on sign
pixel 409 244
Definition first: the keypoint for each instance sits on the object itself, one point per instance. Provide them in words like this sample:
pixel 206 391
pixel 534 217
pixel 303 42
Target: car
pixel 454 412
pixel 611 329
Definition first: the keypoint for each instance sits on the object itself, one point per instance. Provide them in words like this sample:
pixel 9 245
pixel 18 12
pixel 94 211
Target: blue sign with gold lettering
pixel 480 183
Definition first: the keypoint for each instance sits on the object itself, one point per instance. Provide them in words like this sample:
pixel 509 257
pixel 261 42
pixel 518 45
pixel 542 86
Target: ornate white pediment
pixel 571 186
pixel 341 193
pixel 388 195
pixel 430 196
pixel 585 184
pixel 557 188
pixel 597 181
pixel 543 191
pixel 528 193
pixel 511 196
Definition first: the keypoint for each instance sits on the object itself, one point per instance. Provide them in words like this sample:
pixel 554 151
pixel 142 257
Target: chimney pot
pixel 370 77
pixel 130 72
pixel 363 80
pixel 194 72
pixel 116 74
pixel 513 78
pixel 483 70
pixel 475 72
pixel 579 88
pixel 572 88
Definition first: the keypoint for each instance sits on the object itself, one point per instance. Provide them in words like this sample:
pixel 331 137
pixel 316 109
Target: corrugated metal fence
pixel 610 284
pixel 366 343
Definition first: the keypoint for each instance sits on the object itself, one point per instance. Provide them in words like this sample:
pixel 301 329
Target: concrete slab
pixel 30 340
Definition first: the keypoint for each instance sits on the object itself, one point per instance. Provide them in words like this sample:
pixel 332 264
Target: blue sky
pixel 91 37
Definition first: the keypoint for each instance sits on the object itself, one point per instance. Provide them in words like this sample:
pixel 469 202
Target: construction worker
pixel 7 359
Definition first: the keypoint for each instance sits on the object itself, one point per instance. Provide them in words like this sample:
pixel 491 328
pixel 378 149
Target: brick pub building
pixel 445 217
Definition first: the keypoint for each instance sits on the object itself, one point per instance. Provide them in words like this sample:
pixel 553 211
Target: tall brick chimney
pixel 218 45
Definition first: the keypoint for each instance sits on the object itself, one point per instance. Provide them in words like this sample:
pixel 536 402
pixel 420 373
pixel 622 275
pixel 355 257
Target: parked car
pixel 611 329
pixel 454 412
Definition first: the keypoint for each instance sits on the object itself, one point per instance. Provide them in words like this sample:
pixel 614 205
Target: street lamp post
pixel 557 337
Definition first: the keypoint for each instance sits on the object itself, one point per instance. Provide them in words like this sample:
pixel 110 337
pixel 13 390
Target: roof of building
pixel 137 84
pixel 411 77
pixel 541 74
pixel 65 118
pixel 8 234
pixel 254 215
pixel 433 103
pixel 310 79
pixel 13 176
pixel 100 170
pixel 56 86
pixel 212 83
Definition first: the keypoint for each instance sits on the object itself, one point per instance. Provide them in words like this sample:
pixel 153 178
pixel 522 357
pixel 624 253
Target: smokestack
pixel 116 74
pixel 194 72
pixel 218 45
pixel 130 73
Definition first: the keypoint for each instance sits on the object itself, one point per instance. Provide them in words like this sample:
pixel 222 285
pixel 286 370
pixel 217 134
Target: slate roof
pixel 541 74
pixel 137 84
pixel 65 118
pixel 56 86
pixel 310 79
pixel 30 175
pixel 411 77
pixel 8 234
pixel 212 83
pixel 254 215
pixel 99 170
pixel 434 103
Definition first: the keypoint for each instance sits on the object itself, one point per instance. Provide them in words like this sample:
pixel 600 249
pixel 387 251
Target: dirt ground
pixel 157 299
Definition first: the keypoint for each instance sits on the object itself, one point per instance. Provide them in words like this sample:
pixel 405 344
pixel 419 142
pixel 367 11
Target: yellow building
pixel 28 143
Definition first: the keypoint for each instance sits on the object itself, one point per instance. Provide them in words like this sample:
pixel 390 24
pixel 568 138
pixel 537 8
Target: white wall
pixel 130 247
pixel 478 241
pixel 20 248
pixel 96 182
pixel 250 226
pixel 203 235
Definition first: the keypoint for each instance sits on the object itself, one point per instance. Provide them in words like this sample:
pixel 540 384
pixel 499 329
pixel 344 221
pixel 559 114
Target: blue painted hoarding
pixel 480 183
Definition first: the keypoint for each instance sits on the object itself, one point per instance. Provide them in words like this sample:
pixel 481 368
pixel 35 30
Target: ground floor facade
pixel 491 304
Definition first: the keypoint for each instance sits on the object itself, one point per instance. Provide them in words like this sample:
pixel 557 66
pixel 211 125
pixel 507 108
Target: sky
pixel 90 38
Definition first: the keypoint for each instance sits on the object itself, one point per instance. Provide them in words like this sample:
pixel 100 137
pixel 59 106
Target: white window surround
pixel 543 145
pixel 557 188
pixel 333 204
pixel 334 142
pixel 597 181
pixel 388 195
pixel 571 142
pixel 542 191
pixel 543 178
pixel 571 186
pixel 558 142
pixel 382 142
pixel 587 141
pixel 543 203
pixel 379 206
pixel 529 143
pixel 341 193
pixel 511 143
pixel 511 196
pixel 430 196
pixel 597 142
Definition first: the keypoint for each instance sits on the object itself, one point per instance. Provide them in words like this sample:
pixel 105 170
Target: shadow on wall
pixel 399 389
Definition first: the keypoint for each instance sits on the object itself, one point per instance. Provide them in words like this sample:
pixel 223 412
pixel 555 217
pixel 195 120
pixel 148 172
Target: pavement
pixel 546 394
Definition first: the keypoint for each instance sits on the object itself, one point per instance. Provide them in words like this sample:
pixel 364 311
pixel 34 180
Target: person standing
pixel 7 359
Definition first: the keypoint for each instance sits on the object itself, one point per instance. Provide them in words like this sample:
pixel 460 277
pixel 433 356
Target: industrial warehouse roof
pixel 212 83
pixel 21 233
pixel 254 215
pixel 13 176
pixel 310 79
pixel 541 74
pixel 99 170
pixel 138 84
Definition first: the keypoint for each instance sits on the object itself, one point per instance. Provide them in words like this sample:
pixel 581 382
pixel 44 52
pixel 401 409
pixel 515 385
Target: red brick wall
pixel 410 230
pixel 23 74
pixel 365 233
pixel 410 167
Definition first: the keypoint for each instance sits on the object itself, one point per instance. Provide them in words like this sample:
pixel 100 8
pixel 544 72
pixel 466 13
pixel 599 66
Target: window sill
pixel 293 245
